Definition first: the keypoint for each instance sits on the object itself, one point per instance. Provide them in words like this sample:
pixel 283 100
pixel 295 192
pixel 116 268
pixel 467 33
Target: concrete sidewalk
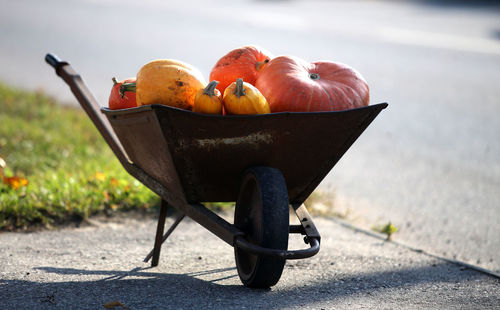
pixel 89 267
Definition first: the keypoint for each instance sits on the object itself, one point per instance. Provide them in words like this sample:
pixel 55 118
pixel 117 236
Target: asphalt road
pixel 430 163
pixel 92 266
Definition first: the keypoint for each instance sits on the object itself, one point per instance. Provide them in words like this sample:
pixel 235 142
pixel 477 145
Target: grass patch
pixel 71 172
pixel 387 229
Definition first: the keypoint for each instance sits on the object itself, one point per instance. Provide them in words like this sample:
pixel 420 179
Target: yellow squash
pixel 208 100
pixel 169 82
pixel 244 98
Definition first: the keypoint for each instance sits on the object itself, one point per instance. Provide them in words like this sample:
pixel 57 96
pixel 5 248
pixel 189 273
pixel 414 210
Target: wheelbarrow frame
pixel 195 210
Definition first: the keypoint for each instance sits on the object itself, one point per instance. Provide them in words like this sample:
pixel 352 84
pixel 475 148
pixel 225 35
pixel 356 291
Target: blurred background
pixel 430 163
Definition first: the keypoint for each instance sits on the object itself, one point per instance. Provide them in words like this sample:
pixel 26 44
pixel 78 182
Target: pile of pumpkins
pixel 247 80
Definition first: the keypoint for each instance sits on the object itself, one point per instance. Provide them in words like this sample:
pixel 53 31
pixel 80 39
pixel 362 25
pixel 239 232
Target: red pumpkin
pixel 292 84
pixel 243 62
pixel 117 101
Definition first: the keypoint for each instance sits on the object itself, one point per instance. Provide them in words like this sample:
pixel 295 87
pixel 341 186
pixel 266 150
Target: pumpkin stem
pixel 259 65
pixel 127 87
pixel 239 90
pixel 210 89
pixel 114 81
pixel 314 76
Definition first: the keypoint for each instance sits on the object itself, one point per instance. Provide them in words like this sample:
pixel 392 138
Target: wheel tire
pixel 262 213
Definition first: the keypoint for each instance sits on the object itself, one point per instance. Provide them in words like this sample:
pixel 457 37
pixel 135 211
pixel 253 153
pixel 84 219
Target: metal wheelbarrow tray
pixel 265 163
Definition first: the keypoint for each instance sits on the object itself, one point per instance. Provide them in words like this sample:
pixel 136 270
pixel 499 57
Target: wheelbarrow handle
pixel 54 61
pixel 89 104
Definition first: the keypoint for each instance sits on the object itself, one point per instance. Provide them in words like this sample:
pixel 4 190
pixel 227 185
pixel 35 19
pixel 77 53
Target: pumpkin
pixel 121 100
pixel 208 100
pixel 169 82
pixel 244 62
pixel 244 98
pixel 292 84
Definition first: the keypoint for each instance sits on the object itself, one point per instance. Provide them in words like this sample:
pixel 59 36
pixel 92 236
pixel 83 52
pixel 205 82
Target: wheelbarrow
pixel 266 164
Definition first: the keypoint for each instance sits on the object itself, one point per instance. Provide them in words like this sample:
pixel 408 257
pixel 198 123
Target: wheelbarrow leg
pixel 160 238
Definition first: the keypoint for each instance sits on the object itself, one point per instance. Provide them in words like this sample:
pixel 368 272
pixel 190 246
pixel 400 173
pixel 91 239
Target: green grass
pixel 71 171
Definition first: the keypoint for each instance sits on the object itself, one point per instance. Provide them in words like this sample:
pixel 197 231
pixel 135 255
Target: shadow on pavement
pixel 142 289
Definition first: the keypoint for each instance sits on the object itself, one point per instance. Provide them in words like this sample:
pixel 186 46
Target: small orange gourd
pixel 244 98
pixel 208 100
pixel 118 100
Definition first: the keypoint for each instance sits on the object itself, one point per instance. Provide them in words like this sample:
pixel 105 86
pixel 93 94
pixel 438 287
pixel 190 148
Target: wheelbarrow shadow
pixel 140 288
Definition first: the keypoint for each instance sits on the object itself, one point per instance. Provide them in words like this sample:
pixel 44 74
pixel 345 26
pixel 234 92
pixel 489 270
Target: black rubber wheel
pixel 262 212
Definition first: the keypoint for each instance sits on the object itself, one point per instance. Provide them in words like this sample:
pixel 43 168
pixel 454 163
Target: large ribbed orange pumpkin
pixel 244 62
pixel 292 84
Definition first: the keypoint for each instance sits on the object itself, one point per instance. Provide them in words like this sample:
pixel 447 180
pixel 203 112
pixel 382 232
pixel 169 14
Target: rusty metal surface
pixel 187 157
pixel 142 138
pixel 208 153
